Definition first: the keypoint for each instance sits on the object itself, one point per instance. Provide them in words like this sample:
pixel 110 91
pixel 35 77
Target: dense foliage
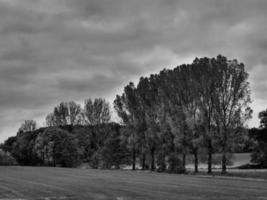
pixel 6 158
pixel 198 106
pixel 259 155
pixel 68 146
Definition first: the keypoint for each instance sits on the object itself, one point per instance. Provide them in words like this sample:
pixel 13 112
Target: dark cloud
pixel 53 50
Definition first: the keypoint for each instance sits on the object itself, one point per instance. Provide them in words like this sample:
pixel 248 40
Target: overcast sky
pixel 55 50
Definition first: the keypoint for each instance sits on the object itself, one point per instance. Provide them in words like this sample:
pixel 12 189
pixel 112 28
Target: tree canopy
pixel 197 105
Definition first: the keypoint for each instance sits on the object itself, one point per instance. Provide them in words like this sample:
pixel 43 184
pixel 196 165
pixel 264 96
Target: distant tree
pixel 27 126
pixel 83 137
pixel 6 158
pixel 66 113
pixel 22 148
pixel 242 142
pixel 56 147
pixel 114 152
pixel 74 111
pixel 51 120
pixel 8 144
pixel 96 112
pixel 259 135
pixel 66 146
pixel 93 144
pixel 263 119
pixel 259 154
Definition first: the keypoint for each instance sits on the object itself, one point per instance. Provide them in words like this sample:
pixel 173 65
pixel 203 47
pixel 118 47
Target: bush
pixel 161 162
pixel 67 146
pixel 259 154
pixel 175 164
pixel 57 147
pixel 6 158
pixel 113 153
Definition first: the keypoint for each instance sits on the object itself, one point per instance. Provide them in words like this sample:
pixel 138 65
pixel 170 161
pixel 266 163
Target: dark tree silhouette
pixel 28 125
pixel 96 112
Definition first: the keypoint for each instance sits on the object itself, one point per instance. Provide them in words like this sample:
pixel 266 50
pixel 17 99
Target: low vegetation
pixel 259 155
pixel 6 158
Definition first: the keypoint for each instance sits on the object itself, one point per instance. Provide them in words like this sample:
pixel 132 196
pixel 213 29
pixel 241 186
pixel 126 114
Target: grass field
pixel 237 159
pixel 61 183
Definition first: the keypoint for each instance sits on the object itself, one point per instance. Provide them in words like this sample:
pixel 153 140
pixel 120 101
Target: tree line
pixel 72 135
pixel 68 146
pixel 193 109
pixel 200 105
pixel 70 113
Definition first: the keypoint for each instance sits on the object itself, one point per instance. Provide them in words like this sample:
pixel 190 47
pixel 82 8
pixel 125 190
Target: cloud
pixel 53 50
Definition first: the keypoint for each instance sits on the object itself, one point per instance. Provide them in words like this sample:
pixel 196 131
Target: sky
pixel 62 50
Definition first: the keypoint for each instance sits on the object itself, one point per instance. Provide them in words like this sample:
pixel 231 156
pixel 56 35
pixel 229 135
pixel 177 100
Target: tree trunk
pixel 172 147
pixel 144 161
pixel 184 162
pixel 223 163
pixel 152 160
pixel 196 160
pixel 134 159
pixel 209 159
pixel 54 162
pixel 224 153
pixel 184 153
pixel 43 159
pixel 54 158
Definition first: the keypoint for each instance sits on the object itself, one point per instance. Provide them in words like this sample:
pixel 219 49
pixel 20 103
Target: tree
pixel 181 110
pixel 66 113
pixel 51 120
pixel 152 114
pixel 188 102
pixel 114 152
pixel 55 146
pixel 129 110
pixel 6 158
pixel 259 154
pixel 22 148
pixel 204 81
pixel 231 100
pixel 96 112
pixel 8 144
pixel 27 126
pixel 263 119
pixel 259 135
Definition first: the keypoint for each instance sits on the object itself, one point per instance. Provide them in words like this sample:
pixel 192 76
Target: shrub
pixel 175 164
pixel 6 158
pixel 161 162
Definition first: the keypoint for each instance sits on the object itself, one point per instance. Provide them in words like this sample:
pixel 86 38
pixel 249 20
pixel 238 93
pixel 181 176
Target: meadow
pixel 47 183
